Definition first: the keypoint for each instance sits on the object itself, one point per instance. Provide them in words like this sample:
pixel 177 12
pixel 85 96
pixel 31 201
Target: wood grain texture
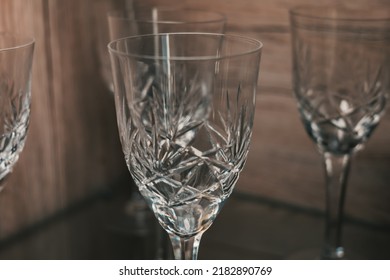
pixel 266 20
pixel 16 22
pixel 72 149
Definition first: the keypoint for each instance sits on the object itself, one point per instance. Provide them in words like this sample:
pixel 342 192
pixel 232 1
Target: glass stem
pixel 336 171
pixel 185 248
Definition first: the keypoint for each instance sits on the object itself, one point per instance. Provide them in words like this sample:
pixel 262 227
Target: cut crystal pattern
pixel 184 159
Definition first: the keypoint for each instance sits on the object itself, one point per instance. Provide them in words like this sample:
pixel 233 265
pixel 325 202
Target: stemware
pixel 16 54
pixel 153 20
pixel 185 104
pixel 341 72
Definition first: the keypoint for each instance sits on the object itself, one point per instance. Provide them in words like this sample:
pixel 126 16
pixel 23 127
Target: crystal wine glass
pixel 16 54
pixel 341 72
pixel 185 104
pixel 153 20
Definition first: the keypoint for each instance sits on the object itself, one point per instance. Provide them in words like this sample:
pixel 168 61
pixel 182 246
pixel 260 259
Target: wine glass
pixel 16 54
pixel 185 104
pixel 153 20
pixel 341 72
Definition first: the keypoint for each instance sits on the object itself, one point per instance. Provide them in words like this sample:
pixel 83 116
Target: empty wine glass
pixel 153 20
pixel 185 104
pixel 16 54
pixel 341 72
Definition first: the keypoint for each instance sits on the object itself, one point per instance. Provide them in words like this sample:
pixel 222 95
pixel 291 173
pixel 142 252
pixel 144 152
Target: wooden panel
pixel 275 66
pixel 17 22
pixel 72 148
pixel 266 20
pixel 246 15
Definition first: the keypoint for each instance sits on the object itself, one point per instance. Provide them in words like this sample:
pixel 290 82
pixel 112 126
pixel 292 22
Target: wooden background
pixel 73 151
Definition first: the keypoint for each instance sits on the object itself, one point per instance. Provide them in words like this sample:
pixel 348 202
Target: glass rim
pixel 319 12
pixel 26 41
pixel 219 17
pixel 256 47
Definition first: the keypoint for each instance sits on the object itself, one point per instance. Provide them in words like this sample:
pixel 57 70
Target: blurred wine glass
pixel 16 56
pixel 341 82
pixel 142 21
